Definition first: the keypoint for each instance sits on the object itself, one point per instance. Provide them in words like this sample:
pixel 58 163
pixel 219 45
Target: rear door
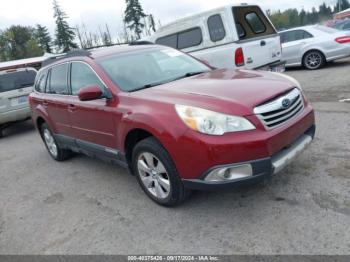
pixel 293 43
pixel 56 98
pixel 257 36
pixel 15 86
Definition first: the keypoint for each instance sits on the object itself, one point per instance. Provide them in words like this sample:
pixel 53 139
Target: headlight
pixel 211 123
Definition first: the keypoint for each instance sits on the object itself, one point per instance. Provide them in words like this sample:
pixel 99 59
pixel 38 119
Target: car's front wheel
pixel 156 173
pixel 56 152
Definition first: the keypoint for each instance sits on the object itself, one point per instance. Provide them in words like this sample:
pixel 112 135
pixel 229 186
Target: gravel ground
pixel 85 206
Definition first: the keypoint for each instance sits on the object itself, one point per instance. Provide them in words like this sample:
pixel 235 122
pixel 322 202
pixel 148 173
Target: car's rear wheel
pixel 55 151
pixel 314 60
pixel 156 173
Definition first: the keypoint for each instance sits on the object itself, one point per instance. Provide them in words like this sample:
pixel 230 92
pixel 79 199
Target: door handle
pixel 262 43
pixel 45 103
pixel 71 108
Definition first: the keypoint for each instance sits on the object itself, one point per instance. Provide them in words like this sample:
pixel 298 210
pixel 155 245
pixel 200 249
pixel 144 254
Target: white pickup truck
pixel 238 36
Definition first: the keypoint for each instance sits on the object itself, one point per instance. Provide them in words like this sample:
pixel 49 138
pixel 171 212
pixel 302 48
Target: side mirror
pixel 90 93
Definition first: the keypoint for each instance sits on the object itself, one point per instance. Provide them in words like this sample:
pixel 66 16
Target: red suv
pixel 176 123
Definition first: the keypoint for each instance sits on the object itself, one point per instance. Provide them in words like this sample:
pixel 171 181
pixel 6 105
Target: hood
pixel 228 91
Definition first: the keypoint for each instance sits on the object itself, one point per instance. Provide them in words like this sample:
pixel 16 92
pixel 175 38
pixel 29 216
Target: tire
pixel 157 174
pixel 314 60
pixel 55 151
pixel 1 132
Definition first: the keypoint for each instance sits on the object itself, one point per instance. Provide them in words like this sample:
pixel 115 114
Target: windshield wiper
pixel 189 74
pixel 148 86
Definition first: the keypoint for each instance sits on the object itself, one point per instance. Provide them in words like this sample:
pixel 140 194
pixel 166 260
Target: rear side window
pixel 216 28
pixel 181 40
pixel 255 23
pixel 295 35
pixel 346 26
pixel 192 37
pixel 58 80
pixel 82 76
pixel 41 83
pixel 251 22
pixel 16 80
pixel 170 41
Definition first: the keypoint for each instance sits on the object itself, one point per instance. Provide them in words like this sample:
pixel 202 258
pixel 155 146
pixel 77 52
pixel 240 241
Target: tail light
pixel 343 39
pixel 239 57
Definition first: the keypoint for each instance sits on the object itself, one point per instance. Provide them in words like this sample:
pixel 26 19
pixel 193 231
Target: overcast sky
pixel 99 12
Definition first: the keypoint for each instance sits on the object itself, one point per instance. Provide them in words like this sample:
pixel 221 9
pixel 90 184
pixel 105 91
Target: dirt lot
pixel 85 206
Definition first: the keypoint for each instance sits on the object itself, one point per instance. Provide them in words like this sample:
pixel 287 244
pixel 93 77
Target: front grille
pixel 280 110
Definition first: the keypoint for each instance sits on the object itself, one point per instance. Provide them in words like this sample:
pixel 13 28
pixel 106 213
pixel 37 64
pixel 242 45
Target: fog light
pixel 230 173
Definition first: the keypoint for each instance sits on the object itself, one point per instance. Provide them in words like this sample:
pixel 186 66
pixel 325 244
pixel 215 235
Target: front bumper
pixel 262 168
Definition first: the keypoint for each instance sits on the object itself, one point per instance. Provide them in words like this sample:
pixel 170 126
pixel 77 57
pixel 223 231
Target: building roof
pixel 344 11
pixel 27 62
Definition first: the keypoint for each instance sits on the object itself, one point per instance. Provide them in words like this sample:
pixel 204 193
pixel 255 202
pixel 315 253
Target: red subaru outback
pixel 174 122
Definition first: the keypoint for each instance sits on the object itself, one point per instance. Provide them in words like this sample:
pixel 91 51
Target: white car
pixel 238 36
pixel 15 87
pixel 314 46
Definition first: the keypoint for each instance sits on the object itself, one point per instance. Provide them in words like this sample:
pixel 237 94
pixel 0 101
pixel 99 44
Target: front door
pixel 91 122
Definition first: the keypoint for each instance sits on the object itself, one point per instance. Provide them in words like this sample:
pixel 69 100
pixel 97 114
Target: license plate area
pixel 19 100
pixel 279 68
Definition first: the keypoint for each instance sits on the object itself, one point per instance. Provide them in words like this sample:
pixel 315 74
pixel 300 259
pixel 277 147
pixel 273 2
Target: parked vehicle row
pixel 15 86
pixel 179 125
pixel 314 46
pixel 343 25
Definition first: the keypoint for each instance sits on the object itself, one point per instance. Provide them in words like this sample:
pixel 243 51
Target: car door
pixel 56 97
pixel 92 123
pixel 292 44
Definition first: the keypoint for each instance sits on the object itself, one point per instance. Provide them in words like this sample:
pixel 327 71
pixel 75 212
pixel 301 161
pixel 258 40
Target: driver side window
pixel 82 76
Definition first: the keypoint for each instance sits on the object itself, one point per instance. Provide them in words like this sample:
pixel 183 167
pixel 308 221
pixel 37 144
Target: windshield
pixel 16 80
pixel 135 71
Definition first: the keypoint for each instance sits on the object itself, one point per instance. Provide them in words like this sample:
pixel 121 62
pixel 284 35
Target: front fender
pixel 163 127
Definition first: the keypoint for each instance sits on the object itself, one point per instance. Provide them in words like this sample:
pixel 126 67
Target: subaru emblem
pixel 286 103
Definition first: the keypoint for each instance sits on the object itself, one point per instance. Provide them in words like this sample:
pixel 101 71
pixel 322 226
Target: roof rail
pixel 142 42
pixel 74 53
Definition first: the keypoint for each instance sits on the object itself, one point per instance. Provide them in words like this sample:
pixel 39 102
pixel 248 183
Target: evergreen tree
pixel 302 17
pixel 152 23
pixel 17 42
pixel 43 38
pixel 133 15
pixel 341 5
pixel 64 33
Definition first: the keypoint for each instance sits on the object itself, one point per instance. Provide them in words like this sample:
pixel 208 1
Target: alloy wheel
pixel 50 143
pixel 313 60
pixel 153 175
